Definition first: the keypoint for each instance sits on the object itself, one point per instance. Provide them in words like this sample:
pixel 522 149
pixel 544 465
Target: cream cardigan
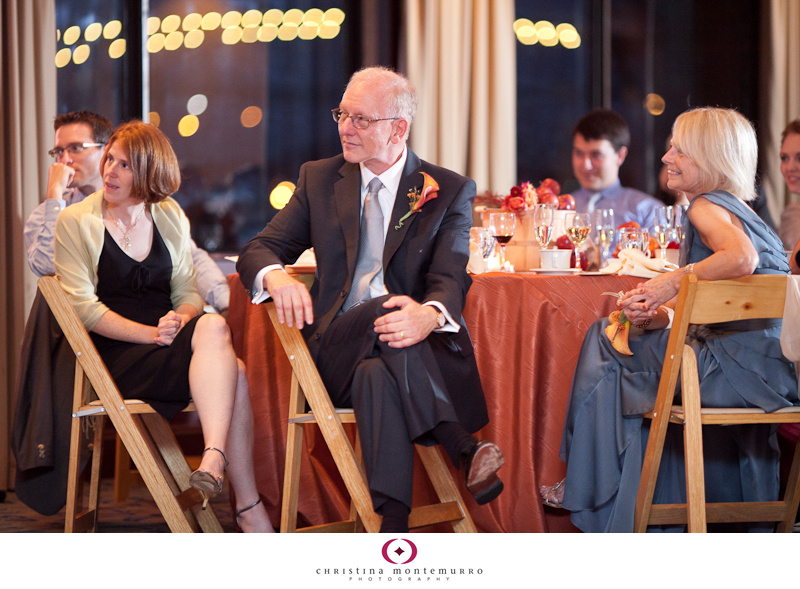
pixel 79 239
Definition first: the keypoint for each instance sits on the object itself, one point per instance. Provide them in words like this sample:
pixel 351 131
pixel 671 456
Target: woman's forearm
pixel 115 326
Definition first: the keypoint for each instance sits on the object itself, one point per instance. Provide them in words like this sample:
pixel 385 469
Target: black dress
pixel 140 291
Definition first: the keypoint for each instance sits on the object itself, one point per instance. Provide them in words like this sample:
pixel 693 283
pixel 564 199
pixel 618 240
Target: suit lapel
pixel 411 179
pixel 347 202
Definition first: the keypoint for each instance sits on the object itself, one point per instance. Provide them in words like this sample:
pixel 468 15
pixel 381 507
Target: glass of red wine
pixel 501 226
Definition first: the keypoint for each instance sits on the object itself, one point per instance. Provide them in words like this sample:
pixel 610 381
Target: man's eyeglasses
pixel 72 148
pixel 358 121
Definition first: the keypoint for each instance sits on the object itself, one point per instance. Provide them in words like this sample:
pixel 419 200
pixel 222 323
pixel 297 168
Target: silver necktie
pixel 370 246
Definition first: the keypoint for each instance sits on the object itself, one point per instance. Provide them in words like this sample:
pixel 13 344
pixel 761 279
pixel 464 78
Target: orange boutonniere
pixel 417 197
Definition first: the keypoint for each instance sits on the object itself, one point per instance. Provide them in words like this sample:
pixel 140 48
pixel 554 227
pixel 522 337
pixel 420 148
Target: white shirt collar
pixel 390 178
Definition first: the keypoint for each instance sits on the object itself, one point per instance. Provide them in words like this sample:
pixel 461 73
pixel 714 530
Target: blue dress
pixel 740 365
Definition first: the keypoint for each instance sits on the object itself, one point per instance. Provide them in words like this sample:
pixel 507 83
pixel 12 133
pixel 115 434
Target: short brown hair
pixel 101 127
pixel 156 174
pixel 792 128
pixel 604 123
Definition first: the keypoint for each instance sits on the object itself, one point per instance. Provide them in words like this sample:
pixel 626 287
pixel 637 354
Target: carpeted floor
pixel 138 514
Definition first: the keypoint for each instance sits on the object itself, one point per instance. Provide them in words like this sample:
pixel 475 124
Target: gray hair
pixel 399 89
pixel 722 143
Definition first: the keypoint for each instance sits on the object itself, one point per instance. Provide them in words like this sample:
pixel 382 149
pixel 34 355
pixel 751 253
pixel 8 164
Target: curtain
pixel 780 93
pixel 27 108
pixel 461 56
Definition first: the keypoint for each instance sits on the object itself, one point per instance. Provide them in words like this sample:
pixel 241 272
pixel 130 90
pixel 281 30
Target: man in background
pixel 599 147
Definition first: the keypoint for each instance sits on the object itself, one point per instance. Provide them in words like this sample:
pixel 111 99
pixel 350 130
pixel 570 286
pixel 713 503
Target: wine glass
pixel 483 241
pixel 543 216
pixel 605 228
pixel 501 226
pixel 578 228
pixel 664 228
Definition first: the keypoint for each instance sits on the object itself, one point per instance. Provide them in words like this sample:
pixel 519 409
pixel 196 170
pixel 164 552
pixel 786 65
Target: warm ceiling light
pixel 188 125
pixel 334 15
pixel 211 21
pixel 155 43
pixel 287 32
pixel 328 30
pixel 71 35
pixel 250 34
pixel 232 18
pixel 251 18
pixel 81 54
pixel 192 21
pixel 117 48
pixel 293 16
pixel 93 32
pixel 654 104
pixel 546 33
pixel 273 16
pixel 521 22
pixel 112 29
pixel 308 31
pixel 313 16
pixel 232 35
pixel 281 195
pixel 251 116
pixel 153 24
pixel 267 33
pixel 63 57
pixel 194 39
pixel 170 23
pixel 154 118
pixel 173 41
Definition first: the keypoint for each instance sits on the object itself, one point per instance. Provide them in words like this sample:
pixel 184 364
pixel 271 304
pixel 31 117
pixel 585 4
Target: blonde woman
pixel 712 159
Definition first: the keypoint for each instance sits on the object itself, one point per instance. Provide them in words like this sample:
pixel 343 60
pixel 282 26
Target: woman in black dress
pixel 123 256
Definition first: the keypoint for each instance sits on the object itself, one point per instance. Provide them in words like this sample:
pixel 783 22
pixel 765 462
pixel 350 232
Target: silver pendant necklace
pixel 125 241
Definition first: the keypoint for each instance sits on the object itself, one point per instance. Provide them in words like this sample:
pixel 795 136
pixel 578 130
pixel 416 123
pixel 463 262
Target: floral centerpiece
pixel 523 251
pixel 525 196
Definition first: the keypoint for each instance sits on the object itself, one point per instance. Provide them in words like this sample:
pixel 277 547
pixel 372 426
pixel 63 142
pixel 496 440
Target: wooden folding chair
pixel 702 302
pixel 145 434
pixel 307 386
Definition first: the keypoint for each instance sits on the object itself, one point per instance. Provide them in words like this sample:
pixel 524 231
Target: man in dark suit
pixel 388 338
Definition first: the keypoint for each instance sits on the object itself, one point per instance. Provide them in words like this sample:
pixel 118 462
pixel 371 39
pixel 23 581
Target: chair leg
pixel 179 472
pixel 291 478
pixel 445 487
pixel 693 443
pixel 147 458
pixel 791 497
pixel 75 519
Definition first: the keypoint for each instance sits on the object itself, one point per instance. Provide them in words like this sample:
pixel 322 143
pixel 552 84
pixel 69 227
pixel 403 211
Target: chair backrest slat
pixel 750 297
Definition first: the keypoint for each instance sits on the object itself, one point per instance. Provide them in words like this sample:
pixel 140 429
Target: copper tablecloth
pixel 527 332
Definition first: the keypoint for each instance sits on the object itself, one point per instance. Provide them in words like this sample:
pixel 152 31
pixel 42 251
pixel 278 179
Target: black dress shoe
pixel 480 466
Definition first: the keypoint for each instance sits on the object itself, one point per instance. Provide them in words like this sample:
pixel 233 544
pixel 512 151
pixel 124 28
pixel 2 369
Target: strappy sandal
pixel 208 482
pixel 549 495
pixel 243 509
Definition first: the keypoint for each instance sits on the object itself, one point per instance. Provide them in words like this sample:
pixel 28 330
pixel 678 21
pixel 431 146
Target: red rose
pixel 514 204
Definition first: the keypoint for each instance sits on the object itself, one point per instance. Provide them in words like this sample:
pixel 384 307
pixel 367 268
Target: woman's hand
pixel 168 327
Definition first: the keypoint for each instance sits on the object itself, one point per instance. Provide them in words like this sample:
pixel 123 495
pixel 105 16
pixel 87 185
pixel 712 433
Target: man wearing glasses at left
pixel 75 174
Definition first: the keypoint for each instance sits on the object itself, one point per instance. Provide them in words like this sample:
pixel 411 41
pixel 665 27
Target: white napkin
pixel 633 262
pixel 476 263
